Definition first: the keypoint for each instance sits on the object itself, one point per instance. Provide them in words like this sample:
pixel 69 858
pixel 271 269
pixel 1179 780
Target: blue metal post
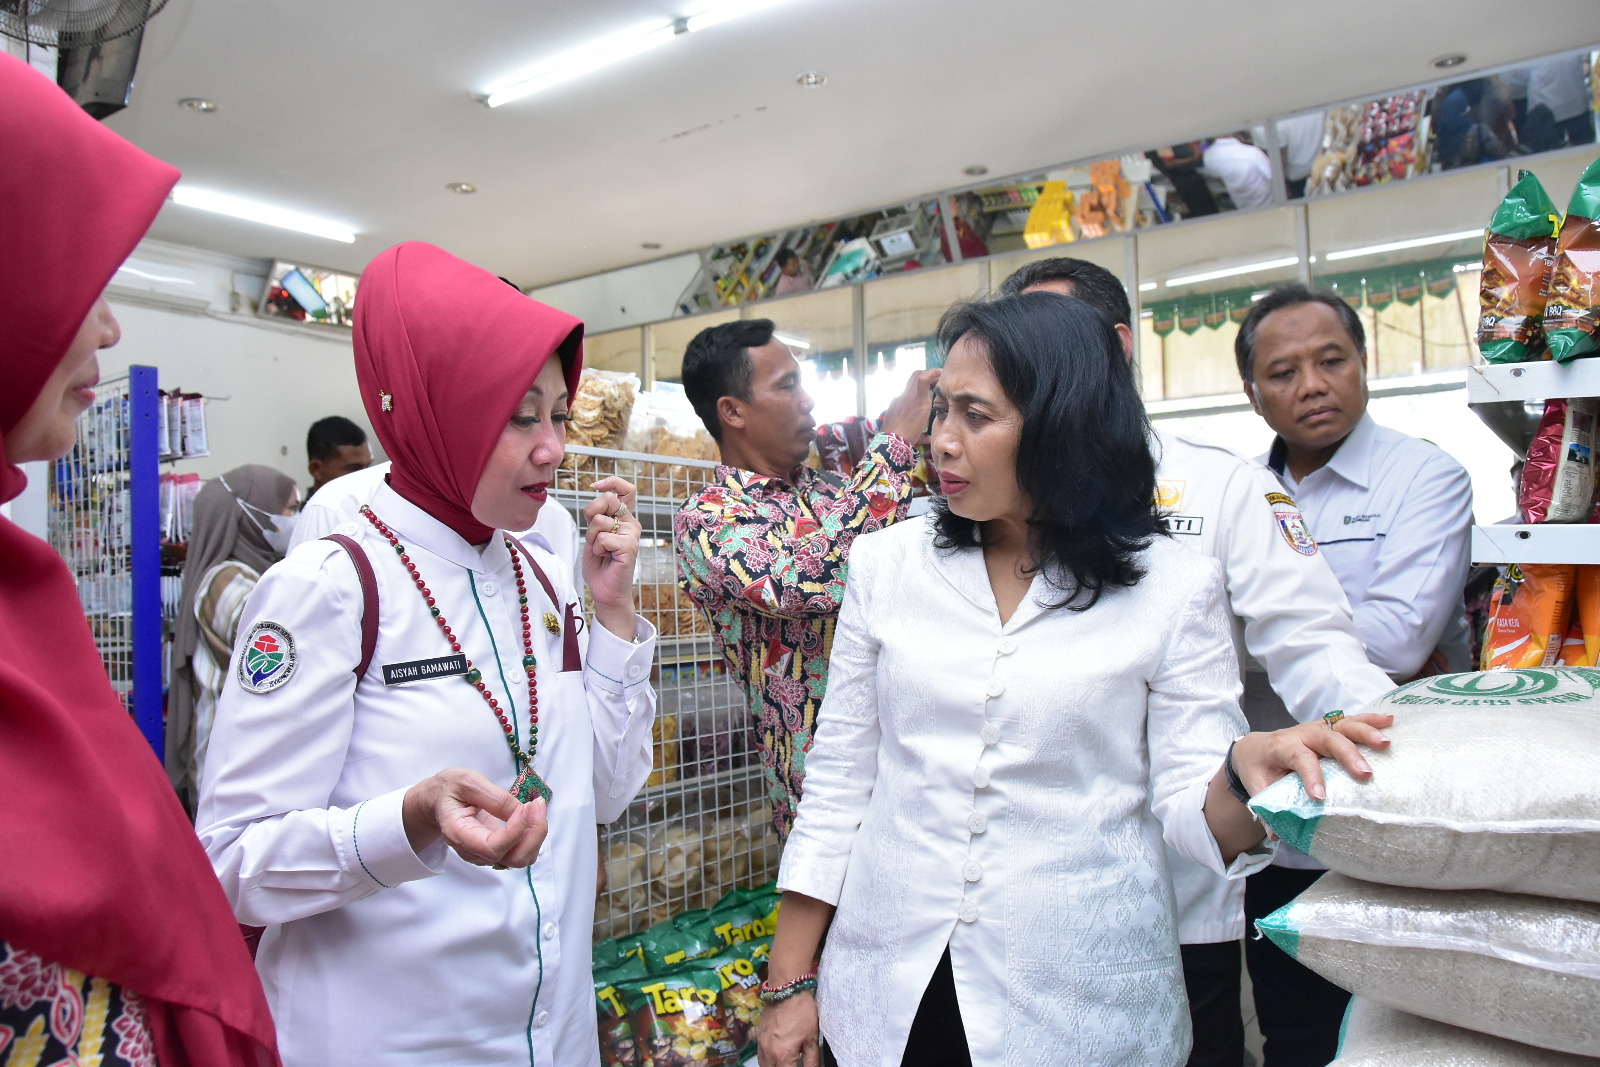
pixel 144 457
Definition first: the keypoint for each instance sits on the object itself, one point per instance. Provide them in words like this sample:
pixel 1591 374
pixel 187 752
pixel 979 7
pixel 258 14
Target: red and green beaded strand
pixel 524 762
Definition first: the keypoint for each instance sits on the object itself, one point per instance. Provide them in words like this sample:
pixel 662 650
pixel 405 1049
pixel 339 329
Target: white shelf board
pixel 1495 382
pixel 1544 543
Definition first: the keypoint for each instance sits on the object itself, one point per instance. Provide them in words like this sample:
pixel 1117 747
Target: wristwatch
pixel 1235 785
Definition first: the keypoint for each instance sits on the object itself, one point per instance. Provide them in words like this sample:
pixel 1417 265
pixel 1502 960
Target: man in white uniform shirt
pixel 1288 613
pixel 1392 516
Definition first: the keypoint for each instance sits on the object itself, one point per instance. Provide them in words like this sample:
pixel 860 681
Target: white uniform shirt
pixel 1244 170
pixel 375 954
pixel 1288 615
pixel 1392 515
pixel 972 783
pixel 340 500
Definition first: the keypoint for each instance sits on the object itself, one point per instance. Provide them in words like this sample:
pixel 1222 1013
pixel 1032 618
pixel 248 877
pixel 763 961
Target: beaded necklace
pixel 528 783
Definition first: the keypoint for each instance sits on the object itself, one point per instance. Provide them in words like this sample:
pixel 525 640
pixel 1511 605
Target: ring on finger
pixel 1333 718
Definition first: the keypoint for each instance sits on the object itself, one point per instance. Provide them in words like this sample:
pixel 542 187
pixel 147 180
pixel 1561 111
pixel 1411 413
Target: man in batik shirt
pixel 764 550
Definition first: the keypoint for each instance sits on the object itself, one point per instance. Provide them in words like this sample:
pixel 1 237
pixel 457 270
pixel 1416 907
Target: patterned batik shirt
pixel 766 559
pixel 50 1014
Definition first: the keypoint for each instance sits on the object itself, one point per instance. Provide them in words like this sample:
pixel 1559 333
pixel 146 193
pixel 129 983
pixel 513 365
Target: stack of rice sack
pixel 687 991
pixel 1465 874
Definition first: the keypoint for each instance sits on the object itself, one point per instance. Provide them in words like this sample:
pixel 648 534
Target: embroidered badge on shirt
pixel 1169 494
pixel 1292 524
pixel 268 660
pixel 417 670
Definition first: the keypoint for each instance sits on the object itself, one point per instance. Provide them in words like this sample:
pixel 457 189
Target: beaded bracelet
pixel 771 994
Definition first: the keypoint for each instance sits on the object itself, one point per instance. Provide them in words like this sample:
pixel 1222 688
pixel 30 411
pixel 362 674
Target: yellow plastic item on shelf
pixel 1050 218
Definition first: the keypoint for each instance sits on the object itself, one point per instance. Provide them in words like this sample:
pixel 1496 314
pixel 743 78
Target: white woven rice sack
pixel 1522 968
pixel 1492 781
pixel 1376 1036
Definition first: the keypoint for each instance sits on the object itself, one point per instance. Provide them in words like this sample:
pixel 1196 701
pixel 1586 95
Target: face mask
pixel 278 528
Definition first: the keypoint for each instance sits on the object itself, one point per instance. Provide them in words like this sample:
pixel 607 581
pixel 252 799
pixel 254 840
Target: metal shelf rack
pixel 702 825
pixel 105 522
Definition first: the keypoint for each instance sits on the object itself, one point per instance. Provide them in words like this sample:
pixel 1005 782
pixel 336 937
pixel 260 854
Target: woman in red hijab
pixel 116 944
pixel 390 747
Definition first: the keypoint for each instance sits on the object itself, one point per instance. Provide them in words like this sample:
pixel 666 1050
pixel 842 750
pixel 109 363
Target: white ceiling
pixel 361 111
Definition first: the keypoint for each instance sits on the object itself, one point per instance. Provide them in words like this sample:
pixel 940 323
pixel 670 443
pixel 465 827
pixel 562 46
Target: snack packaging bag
pixel 618 1046
pixel 679 1019
pixel 750 919
pixel 1588 610
pixel 1522 968
pixel 1375 1036
pixel 1572 311
pixel 1528 615
pixel 1558 478
pixel 667 946
pixel 1574 653
pixel 742 969
pixel 1517 258
pixel 1489 784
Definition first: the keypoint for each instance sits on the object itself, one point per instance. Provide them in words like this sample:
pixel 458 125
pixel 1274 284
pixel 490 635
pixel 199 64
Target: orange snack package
pixel 1528 615
pixel 1573 651
pixel 1586 613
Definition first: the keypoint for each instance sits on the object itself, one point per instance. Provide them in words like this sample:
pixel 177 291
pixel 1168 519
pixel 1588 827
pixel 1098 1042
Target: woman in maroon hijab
pixel 390 749
pixel 116 943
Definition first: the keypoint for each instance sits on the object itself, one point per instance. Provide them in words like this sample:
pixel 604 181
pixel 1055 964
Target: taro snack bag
pixel 742 969
pixel 691 919
pixel 666 946
pixel 1529 615
pixel 1518 252
pixel 621 948
pixel 747 920
pixel 1572 310
pixel 679 1019
pixel 1558 480
pixel 618 1046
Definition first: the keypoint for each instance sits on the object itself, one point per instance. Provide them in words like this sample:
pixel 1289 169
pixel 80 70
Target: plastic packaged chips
pixel 679 1018
pixel 1529 614
pixel 1572 311
pixel 1489 784
pixel 1517 259
pixel 1558 478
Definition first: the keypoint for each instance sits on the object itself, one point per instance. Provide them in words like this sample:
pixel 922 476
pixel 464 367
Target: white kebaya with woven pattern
pixel 1005 790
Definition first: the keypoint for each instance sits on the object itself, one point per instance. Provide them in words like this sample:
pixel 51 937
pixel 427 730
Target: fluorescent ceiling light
pixel 1460 267
pixel 608 50
pixel 125 269
pixel 1229 272
pixel 1145 287
pixel 584 60
pixel 251 211
pixel 792 342
pixel 1396 246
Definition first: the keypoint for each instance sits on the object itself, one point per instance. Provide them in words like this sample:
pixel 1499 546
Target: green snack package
pixel 618 1047
pixel 665 947
pixel 679 1019
pixel 1517 257
pixel 741 970
pixel 747 920
pixel 691 919
pixel 619 949
pixel 1572 312
pixel 740 896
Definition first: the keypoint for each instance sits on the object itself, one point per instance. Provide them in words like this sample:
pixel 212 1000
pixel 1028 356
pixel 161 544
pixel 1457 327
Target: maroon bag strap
pixel 369 598
pixel 571 658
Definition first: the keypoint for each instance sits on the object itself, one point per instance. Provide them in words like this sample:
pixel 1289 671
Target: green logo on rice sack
pixel 1504 688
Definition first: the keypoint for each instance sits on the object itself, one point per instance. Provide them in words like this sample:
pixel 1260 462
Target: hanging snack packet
pixel 1572 312
pixel 618 1046
pixel 742 969
pixel 1517 257
pixel 1528 615
pixel 1558 478
pixel 679 1019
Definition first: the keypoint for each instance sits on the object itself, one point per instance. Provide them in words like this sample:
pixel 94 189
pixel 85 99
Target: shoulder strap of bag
pixel 571 659
pixel 369 598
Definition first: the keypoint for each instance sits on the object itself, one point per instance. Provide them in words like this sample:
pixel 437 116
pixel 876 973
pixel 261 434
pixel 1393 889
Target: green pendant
pixel 528 785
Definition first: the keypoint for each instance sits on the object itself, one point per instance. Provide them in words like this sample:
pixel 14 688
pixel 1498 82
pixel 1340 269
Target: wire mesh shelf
pixel 702 824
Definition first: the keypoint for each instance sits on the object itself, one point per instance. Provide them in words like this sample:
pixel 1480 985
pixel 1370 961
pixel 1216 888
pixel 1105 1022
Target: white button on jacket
pixel 1066 948
pixel 300 809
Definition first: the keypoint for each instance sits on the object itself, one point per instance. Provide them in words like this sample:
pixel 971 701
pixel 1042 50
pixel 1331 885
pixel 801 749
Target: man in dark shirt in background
pixel 335 446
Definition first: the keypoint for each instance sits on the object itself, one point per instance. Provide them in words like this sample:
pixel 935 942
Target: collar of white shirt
pixel 1352 462
pixel 411 524
pixel 965 570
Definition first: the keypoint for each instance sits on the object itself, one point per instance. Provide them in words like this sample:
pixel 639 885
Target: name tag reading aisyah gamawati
pixel 419 670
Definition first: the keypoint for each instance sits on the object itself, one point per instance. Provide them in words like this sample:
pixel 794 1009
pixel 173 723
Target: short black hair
pixel 1084 458
pixel 1091 283
pixel 1288 296
pixel 784 256
pixel 717 364
pixel 329 435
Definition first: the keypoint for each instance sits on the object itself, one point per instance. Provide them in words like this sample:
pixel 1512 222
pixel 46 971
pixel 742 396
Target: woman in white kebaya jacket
pixel 384 764
pixel 1030 689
